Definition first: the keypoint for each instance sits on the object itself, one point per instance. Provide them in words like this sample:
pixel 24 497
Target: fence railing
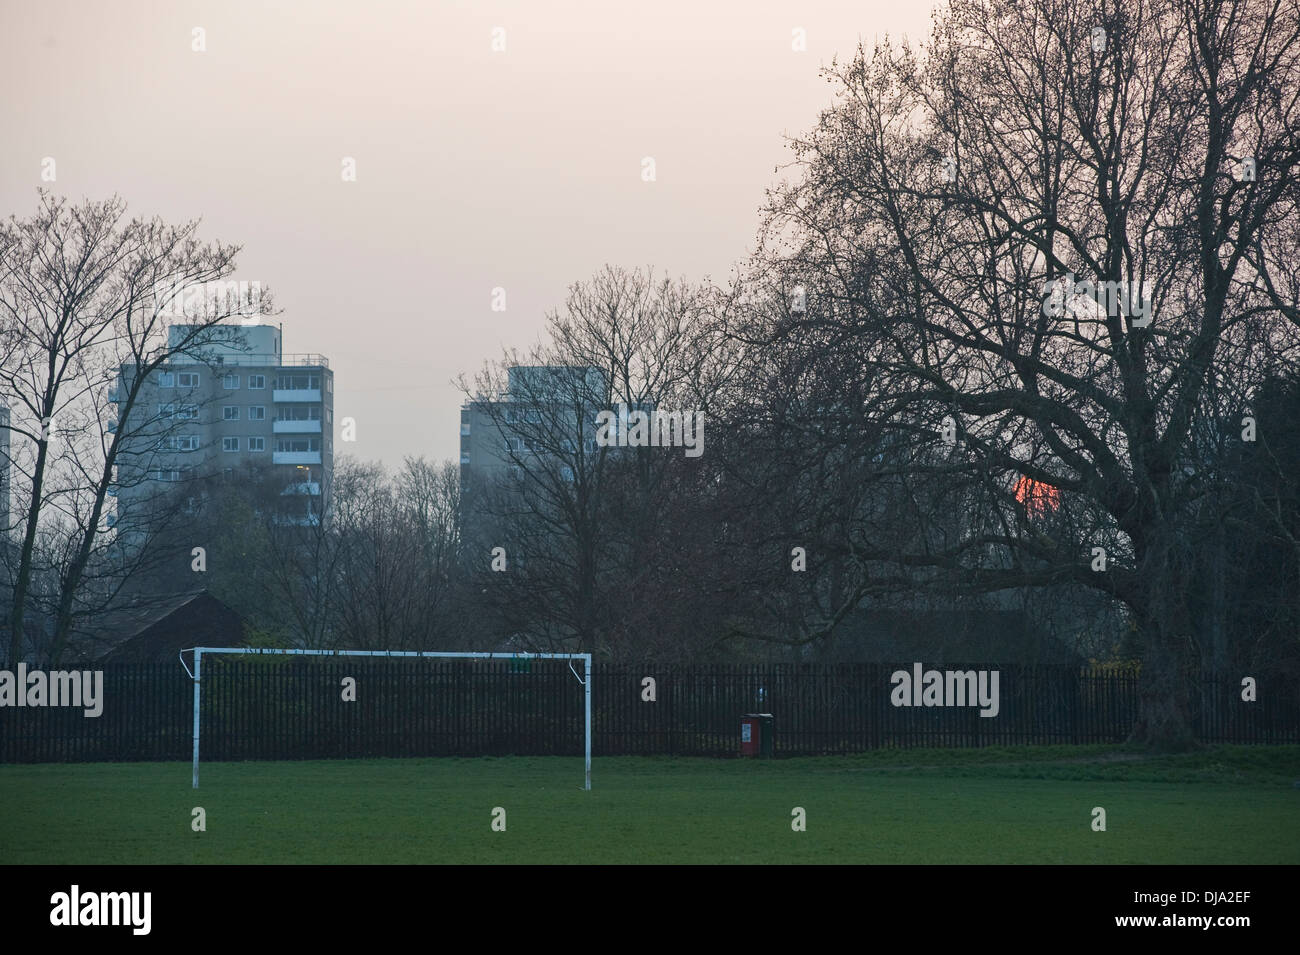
pixel 294 708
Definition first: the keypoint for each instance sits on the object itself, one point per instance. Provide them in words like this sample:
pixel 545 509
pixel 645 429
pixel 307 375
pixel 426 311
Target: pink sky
pixel 475 169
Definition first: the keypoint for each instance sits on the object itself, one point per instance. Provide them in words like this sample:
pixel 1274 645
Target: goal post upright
pixel 586 719
pixel 198 665
pixel 585 680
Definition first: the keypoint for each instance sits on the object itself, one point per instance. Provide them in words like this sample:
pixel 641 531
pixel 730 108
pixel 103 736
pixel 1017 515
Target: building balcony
pixel 295 457
pixel 295 394
pixel 296 427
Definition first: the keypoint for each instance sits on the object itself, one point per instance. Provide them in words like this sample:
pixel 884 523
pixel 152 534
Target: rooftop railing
pixel 254 358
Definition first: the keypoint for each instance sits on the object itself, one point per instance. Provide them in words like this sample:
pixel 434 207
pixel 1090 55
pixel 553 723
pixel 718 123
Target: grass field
pixel 1015 805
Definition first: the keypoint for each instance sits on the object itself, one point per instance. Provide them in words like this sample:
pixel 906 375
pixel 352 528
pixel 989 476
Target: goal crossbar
pixel 585 679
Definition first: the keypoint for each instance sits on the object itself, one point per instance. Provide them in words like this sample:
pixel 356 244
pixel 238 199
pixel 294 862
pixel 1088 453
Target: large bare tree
pixel 86 296
pixel 1050 237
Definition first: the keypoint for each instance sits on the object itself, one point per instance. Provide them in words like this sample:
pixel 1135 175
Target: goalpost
pixel 585 679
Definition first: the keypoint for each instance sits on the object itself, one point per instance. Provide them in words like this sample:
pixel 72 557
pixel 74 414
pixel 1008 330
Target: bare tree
pixel 396 541
pixel 84 299
pixel 429 497
pixel 578 518
pixel 1054 230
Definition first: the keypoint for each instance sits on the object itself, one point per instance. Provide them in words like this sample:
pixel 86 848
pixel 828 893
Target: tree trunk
pixel 17 616
pixel 1164 719
pixel 1169 662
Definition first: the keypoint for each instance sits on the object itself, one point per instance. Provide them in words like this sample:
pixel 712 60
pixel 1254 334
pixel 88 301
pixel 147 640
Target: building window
pixel 257 413
pixel 230 382
pixel 230 413
pixel 229 444
pixel 297 383
pixel 329 386
pixel 257 381
pixel 187 379
pixel 184 442
pixel 257 444
pixel 297 413
pixel 188 412
pixel 166 379
pixel 297 444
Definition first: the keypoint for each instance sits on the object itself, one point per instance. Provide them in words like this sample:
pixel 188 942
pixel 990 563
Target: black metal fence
pixel 294 708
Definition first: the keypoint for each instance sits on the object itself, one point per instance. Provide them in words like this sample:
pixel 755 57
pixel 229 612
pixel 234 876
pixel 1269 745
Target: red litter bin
pixel 756 735
pixel 751 735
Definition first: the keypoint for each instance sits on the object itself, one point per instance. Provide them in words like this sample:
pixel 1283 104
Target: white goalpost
pixel 585 679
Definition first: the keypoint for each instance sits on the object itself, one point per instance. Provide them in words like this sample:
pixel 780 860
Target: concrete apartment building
pixel 238 404
pixel 492 427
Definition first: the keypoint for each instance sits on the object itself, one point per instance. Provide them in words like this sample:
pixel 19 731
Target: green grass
pixel 1013 805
